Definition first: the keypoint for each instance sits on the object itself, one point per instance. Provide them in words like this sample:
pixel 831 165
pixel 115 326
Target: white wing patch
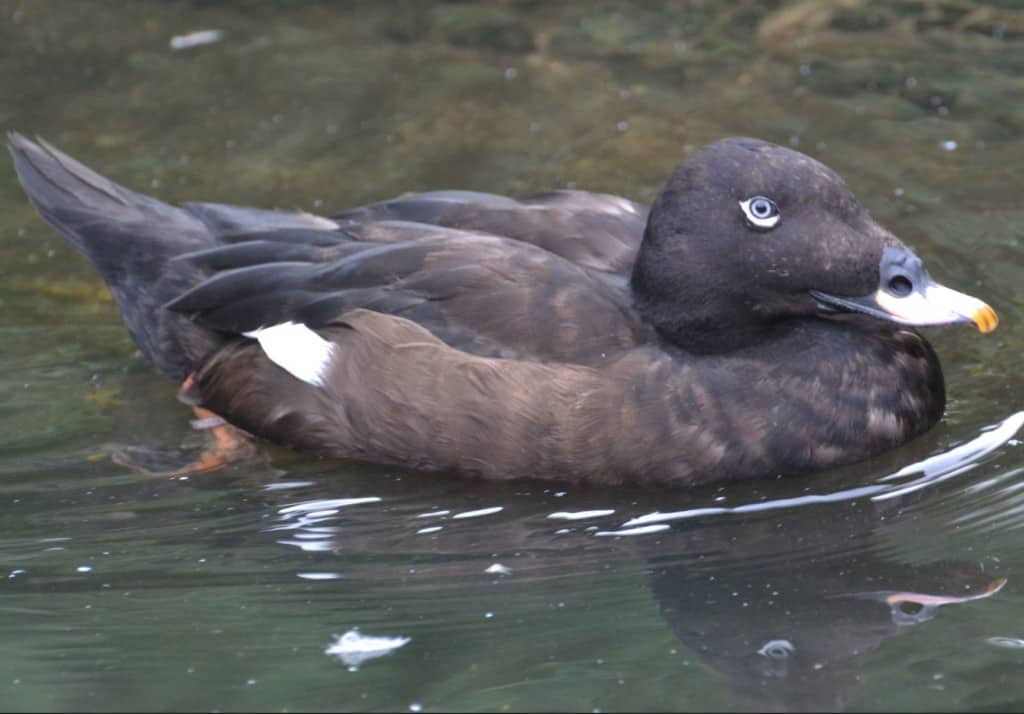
pixel 296 349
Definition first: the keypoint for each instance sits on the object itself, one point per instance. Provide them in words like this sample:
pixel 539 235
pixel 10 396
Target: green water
pixel 123 591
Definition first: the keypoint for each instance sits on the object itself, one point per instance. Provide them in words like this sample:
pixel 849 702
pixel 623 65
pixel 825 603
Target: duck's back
pixel 543 278
pixel 595 230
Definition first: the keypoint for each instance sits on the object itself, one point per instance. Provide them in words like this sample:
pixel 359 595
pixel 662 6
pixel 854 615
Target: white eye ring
pixel 761 212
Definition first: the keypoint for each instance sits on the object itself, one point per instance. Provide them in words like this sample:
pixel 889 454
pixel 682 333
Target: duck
pixel 753 321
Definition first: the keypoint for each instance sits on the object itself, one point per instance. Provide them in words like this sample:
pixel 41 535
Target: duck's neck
pixel 701 312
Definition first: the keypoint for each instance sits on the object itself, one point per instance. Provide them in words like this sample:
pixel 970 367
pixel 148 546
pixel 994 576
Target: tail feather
pixel 80 203
pixel 130 239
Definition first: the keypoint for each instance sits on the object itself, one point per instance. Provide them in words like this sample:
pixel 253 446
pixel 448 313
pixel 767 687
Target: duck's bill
pixel 929 305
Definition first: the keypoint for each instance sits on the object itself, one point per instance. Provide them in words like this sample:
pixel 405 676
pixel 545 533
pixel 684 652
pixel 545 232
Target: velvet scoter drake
pixel 755 320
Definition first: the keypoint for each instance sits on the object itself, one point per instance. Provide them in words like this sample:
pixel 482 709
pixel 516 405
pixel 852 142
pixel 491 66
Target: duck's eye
pixel 761 213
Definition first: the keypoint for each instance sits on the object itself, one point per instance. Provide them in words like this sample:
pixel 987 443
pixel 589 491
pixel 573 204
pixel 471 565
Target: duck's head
pixel 746 235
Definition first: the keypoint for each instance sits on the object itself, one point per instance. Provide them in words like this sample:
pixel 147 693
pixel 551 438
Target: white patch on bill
pixel 296 349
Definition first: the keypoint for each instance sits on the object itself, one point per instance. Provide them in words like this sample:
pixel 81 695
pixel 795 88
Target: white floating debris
pixel 642 530
pixel 319 576
pixel 498 569
pixel 15 573
pixel 481 512
pixel 949 145
pixel 195 39
pixel 84 569
pixel 777 649
pixel 353 648
pixel 580 515
pixel 1012 643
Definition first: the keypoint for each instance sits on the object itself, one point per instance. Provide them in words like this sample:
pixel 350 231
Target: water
pixel 845 590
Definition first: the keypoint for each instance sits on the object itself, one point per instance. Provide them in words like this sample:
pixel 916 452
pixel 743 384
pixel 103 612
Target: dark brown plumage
pixel 567 335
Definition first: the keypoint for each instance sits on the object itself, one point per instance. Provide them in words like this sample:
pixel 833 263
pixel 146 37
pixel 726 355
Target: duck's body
pixel 562 336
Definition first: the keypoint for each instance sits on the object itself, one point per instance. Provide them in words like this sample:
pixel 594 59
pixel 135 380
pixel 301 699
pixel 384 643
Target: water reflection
pixel 786 597
pixel 795 635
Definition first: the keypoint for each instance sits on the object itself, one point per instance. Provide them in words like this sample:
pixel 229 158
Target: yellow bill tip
pixel 985 318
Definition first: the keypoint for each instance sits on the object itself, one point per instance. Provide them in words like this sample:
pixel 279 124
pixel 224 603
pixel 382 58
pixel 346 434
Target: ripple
pixel 432 514
pixel 581 515
pixel 642 530
pixel 934 470
pixel 479 512
pixel 310 507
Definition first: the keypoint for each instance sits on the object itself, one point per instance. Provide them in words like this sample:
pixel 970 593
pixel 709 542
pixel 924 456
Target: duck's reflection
pixel 793 633
pixel 787 594
pixel 790 619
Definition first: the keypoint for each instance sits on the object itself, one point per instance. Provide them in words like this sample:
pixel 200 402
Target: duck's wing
pixel 542 278
pixel 482 293
pixel 595 230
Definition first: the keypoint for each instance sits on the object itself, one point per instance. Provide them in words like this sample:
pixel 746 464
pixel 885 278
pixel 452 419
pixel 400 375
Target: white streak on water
pixel 326 504
pixel 935 469
pixel 284 485
pixel 580 515
pixel 965 457
pixel 310 546
pixel 480 512
pixel 642 530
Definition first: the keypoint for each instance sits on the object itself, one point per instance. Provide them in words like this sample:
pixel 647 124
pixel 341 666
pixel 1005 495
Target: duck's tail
pixel 130 239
